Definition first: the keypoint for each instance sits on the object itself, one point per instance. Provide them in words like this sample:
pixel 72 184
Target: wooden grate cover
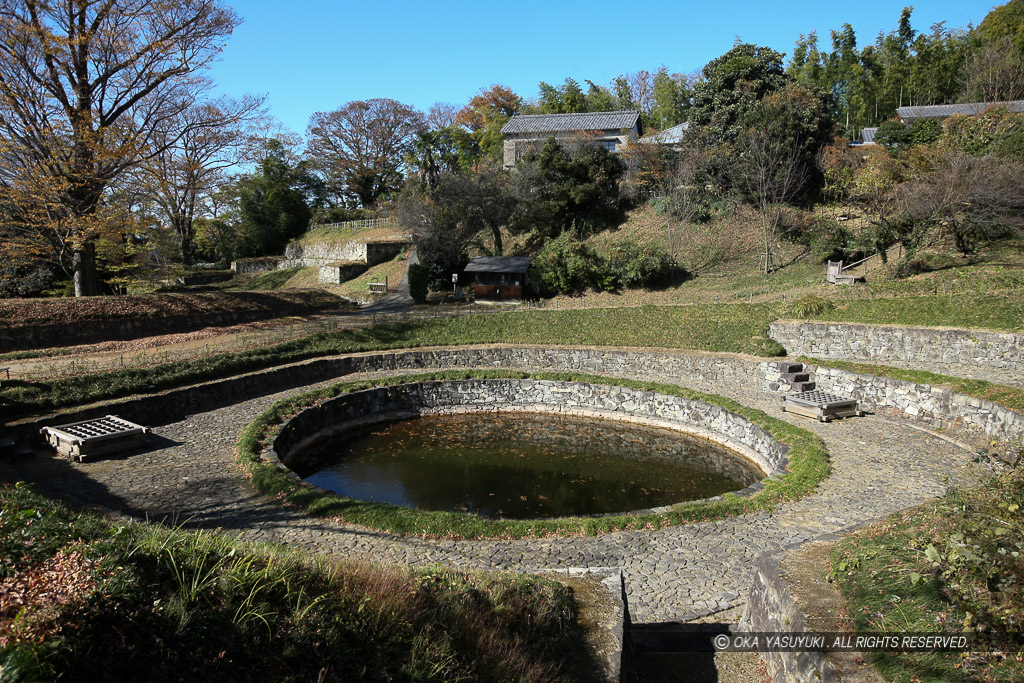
pixel 821 405
pixel 817 398
pixel 101 435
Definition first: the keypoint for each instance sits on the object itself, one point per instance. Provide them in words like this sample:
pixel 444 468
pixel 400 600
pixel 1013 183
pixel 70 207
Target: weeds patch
pixel 953 566
pixel 92 601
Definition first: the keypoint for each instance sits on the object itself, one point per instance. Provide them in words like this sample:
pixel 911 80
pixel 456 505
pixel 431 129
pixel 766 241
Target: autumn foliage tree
pixel 486 113
pixel 85 85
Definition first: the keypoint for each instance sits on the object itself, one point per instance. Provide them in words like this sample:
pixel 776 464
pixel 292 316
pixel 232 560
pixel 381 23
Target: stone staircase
pixel 793 377
pixel 800 395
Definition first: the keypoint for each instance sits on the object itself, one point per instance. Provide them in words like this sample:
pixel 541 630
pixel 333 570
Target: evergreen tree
pixel 599 99
pixel 275 202
pixel 730 87
pixel 671 100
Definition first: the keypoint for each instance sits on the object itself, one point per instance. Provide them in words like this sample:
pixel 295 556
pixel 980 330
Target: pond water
pixel 522 465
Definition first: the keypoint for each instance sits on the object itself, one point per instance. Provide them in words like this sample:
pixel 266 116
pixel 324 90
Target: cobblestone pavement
pixel 188 476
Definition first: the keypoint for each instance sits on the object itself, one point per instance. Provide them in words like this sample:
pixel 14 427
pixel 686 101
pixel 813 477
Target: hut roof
pixel 498 264
pixel 669 136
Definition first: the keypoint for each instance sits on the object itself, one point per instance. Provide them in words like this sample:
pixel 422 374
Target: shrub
pixel 630 264
pixel 992 132
pixel 892 133
pixel 924 131
pixel 418 281
pixel 833 239
pixel 565 265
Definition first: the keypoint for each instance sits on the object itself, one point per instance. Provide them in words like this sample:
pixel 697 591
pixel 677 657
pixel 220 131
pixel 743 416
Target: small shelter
pixel 499 278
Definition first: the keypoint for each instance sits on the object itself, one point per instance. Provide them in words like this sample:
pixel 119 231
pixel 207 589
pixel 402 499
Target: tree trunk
pixel 498 245
pixel 185 242
pixel 83 263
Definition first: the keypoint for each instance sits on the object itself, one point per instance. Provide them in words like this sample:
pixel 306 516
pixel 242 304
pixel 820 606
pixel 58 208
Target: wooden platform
pixel 100 436
pixel 821 406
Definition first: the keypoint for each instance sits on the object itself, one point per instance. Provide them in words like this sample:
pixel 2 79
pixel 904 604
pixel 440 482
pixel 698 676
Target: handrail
pixel 868 258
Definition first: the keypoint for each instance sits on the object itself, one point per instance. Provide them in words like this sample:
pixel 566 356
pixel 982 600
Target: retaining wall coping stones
pixel 770 608
pixel 923 403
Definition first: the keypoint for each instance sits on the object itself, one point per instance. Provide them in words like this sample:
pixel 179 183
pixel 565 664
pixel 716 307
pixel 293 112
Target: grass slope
pixel 989 311
pixel 953 566
pixel 16 313
pixel 737 328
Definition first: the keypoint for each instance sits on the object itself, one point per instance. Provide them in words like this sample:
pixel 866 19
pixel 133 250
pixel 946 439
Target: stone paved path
pixel 399 300
pixel 188 476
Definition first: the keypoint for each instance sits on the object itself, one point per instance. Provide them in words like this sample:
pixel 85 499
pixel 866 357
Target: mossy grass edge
pixel 808 467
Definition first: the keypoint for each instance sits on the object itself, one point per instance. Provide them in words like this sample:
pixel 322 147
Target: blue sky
pixel 309 56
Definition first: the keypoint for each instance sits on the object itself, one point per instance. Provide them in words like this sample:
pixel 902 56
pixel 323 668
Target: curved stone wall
pixel 887 344
pixel 569 398
pixel 707 372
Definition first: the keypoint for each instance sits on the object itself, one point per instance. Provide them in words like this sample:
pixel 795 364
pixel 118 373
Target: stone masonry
pixel 188 476
pixel 720 373
pixel 976 352
pixel 578 399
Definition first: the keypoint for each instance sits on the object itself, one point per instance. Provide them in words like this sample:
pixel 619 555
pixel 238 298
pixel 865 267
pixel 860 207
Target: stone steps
pixel 793 377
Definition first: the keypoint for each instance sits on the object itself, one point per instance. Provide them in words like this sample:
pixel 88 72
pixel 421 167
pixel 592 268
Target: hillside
pixel 722 262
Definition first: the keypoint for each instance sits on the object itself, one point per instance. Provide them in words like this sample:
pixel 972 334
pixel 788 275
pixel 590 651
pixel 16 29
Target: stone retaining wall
pixel 953 349
pixel 256 265
pixel 920 402
pixel 372 406
pixel 771 609
pixel 336 273
pixel 924 403
pixel 300 255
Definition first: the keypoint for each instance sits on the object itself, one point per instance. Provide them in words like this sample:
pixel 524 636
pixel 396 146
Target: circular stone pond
pixel 523 465
pixel 523 448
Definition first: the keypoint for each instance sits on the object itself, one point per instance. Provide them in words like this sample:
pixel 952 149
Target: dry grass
pixel 357 289
pixel 326 234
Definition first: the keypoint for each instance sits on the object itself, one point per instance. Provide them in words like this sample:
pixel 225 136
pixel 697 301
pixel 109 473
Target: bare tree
pixel 442 115
pixel 641 85
pixel 769 170
pixel 683 189
pixel 360 148
pixel 970 199
pixel 85 87
pixel 994 73
pixel 196 148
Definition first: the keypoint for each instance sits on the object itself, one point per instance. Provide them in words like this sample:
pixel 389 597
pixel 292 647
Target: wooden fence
pixel 352 226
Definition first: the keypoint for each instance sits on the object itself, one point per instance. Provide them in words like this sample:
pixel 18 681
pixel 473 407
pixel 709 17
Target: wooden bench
pixel 378 288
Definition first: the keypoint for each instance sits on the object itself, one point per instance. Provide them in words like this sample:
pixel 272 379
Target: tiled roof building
pixel 609 129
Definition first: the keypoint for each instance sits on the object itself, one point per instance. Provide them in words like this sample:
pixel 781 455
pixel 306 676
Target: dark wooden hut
pixel 499 278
